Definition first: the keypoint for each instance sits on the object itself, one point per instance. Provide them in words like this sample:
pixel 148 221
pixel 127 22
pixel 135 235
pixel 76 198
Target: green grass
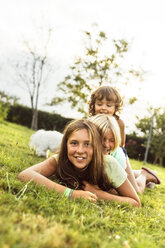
pixel 31 216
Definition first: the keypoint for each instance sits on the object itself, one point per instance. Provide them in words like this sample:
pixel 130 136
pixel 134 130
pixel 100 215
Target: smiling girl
pixel 107 100
pixel 81 162
pixel 110 133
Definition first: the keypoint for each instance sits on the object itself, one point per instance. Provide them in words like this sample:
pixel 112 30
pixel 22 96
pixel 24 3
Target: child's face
pixel 108 142
pixel 104 107
pixel 80 149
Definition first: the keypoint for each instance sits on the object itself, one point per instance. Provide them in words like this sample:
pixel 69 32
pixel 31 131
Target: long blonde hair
pixel 106 123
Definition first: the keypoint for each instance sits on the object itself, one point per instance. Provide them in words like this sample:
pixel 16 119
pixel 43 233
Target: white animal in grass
pixel 42 141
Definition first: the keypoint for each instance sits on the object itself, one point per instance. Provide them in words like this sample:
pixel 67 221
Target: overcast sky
pixel 139 21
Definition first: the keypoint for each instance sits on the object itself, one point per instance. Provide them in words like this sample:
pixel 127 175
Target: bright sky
pixel 138 21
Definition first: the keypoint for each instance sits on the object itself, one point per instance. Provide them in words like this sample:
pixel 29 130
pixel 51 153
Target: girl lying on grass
pixel 111 139
pixel 81 162
pixel 107 100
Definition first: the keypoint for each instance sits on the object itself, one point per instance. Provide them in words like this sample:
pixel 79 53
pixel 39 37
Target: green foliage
pixel 144 125
pixel 5 102
pixel 101 63
pixel 22 115
pixel 31 216
pixel 132 100
pixel 4 108
pixel 157 142
pixel 158 138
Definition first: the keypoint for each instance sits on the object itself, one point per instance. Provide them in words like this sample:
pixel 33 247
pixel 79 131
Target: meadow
pixel 31 216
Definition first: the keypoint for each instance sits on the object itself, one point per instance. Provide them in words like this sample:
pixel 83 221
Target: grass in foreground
pixel 31 216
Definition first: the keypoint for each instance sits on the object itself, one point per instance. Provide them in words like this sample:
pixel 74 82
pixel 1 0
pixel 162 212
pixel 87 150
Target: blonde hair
pixel 106 123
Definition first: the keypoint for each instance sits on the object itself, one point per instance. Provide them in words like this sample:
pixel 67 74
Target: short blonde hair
pixel 106 123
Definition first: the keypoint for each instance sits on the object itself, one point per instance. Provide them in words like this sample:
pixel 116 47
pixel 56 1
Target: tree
pixel 158 138
pixel 157 142
pixel 33 67
pixel 100 64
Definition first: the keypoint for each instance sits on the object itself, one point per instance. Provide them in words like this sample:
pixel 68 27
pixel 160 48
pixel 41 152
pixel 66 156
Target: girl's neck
pixel 78 170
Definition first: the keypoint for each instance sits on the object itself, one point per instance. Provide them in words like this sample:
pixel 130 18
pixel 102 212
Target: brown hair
pixel 94 173
pixel 111 94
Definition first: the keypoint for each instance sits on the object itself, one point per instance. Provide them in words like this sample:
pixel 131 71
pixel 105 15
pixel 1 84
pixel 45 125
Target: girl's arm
pixel 131 176
pixel 128 166
pixel 39 173
pixel 126 193
pixel 122 131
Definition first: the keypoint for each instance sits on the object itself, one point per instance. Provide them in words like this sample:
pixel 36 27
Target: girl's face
pixel 108 142
pixel 80 149
pixel 104 107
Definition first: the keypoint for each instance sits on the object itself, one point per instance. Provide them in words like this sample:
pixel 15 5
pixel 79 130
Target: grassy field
pixel 32 216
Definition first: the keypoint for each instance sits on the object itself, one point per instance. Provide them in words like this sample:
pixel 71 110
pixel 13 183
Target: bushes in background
pixel 136 148
pixel 5 102
pixel 23 115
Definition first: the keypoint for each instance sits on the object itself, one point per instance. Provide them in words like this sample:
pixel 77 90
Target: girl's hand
pixel 84 194
pixel 90 187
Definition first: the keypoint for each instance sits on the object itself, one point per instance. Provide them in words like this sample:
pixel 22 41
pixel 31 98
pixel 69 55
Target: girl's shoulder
pixel 55 156
pixel 119 150
pixel 119 155
pixel 111 162
pixel 121 123
pixel 114 171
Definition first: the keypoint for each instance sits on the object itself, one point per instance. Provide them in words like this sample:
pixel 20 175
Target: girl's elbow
pixel 138 204
pixel 22 176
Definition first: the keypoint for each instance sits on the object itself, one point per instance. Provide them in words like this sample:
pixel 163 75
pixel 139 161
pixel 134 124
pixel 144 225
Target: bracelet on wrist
pixel 67 192
pixel 70 194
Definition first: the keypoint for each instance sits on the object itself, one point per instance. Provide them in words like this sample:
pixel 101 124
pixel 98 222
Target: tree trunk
pixel 161 161
pixel 34 123
pixel 156 159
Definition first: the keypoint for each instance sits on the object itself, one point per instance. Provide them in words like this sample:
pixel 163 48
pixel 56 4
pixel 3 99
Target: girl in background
pixel 107 100
pixel 80 165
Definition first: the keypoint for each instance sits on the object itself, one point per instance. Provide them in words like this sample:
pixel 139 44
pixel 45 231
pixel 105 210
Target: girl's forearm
pixel 107 196
pixel 131 177
pixel 28 175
